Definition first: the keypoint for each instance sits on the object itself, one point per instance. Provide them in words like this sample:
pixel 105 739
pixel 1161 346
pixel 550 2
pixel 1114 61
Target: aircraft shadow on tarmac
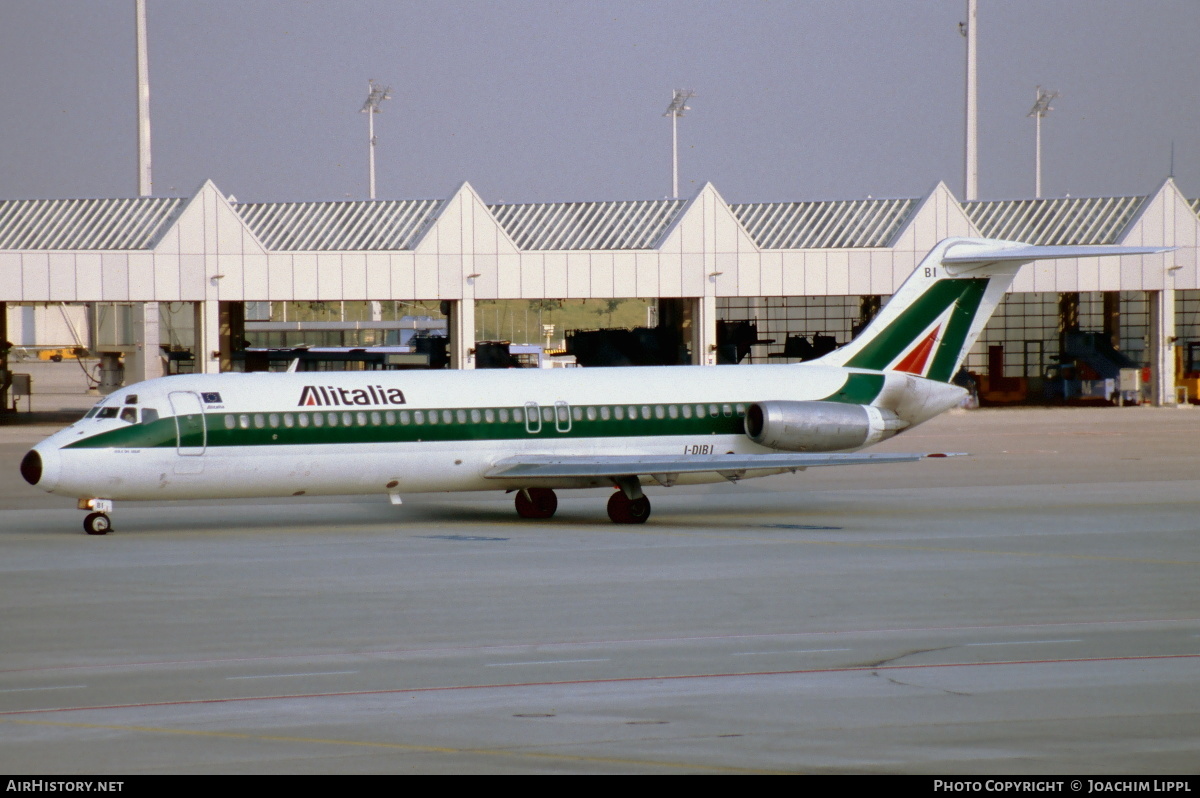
pixel 471 517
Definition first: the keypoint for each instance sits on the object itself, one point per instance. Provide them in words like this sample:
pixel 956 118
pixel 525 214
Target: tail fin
pixel 931 322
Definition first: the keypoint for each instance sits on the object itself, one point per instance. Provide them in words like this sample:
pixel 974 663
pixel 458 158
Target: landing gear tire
pixel 536 503
pixel 97 524
pixel 623 510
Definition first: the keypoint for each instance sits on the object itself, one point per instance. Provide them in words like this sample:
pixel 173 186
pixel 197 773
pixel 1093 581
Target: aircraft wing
pixel 664 469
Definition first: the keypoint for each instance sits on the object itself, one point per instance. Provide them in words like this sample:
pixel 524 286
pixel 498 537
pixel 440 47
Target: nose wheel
pixel 97 524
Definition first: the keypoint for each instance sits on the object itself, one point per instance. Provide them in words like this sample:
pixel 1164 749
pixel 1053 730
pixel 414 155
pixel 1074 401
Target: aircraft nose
pixel 31 467
pixel 40 467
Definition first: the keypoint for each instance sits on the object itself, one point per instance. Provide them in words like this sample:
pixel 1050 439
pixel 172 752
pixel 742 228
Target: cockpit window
pixel 107 412
pixel 149 415
pixel 92 412
pixel 131 399
pixel 129 414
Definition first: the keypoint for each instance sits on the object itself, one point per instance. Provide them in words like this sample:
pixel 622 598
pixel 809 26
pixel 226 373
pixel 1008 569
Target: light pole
pixel 1040 108
pixel 971 169
pixel 145 183
pixel 375 97
pixel 675 110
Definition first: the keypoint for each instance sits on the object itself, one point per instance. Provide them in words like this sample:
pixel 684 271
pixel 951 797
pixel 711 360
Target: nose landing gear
pixel 97 522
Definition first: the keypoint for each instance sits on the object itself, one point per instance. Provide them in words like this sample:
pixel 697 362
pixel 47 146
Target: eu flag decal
pixel 211 398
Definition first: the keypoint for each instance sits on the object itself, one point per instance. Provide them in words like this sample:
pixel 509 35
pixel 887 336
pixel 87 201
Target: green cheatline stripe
pixel 161 434
pixel 859 389
pixel 903 331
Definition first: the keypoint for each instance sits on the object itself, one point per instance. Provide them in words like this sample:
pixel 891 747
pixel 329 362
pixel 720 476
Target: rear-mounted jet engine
pixel 819 426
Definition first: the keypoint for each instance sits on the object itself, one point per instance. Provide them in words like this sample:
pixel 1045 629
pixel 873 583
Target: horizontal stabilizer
pixel 985 251
pixel 551 467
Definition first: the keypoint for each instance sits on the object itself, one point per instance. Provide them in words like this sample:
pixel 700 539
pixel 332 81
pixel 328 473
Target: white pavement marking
pixel 289 675
pixel 1022 642
pixel 541 662
pixel 799 651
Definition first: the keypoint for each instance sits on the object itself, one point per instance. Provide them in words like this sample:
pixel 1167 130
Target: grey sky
pixel 554 100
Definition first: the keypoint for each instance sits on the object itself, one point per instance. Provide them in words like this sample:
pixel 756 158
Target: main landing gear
pixel 97 521
pixel 623 510
pixel 536 503
pixel 627 505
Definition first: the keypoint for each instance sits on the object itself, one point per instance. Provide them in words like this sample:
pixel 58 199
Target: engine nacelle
pixel 819 426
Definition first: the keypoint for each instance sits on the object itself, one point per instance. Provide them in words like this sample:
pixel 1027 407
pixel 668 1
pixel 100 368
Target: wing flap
pixel 665 468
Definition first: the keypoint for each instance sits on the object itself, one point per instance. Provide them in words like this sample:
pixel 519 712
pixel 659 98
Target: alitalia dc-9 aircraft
pixel 536 431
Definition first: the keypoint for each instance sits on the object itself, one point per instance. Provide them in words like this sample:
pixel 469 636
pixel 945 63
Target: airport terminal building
pixel 798 271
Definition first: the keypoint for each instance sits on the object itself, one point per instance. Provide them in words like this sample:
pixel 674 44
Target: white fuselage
pixel 371 432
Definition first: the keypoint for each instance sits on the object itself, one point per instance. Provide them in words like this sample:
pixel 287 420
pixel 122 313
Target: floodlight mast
pixel 1040 108
pixel 375 96
pixel 971 154
pixel 675 110
pixel 145 182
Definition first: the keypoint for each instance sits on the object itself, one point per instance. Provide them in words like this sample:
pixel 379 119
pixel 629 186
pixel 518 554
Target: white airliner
pixel 535 431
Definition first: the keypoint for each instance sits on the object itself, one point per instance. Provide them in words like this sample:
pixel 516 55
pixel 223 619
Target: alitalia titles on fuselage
pixel 330 396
